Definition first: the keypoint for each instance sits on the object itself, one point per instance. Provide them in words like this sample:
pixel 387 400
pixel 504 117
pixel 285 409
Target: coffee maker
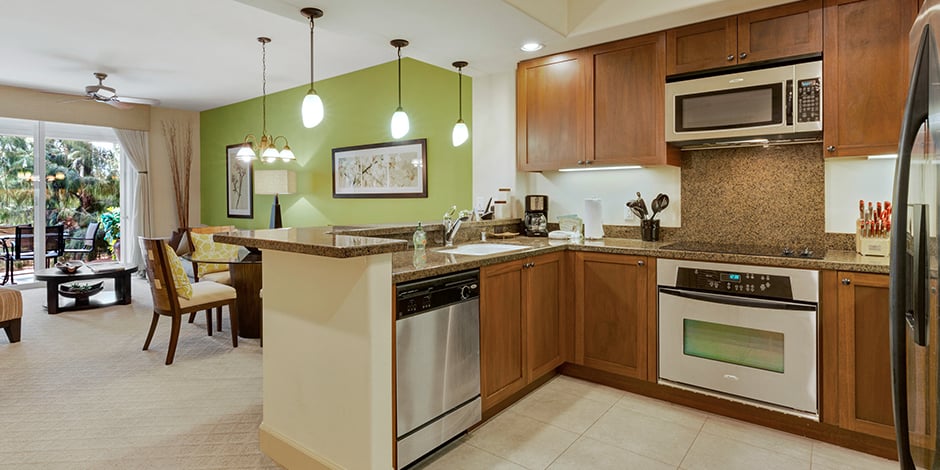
pixel 536 215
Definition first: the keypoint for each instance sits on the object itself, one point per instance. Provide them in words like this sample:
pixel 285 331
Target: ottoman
pixel 11 312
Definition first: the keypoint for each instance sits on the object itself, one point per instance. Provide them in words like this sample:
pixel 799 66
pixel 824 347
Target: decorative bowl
pixel 69 267
pixel 77 290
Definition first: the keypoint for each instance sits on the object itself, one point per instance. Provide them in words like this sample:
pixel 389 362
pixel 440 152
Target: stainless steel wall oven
pixel 742 332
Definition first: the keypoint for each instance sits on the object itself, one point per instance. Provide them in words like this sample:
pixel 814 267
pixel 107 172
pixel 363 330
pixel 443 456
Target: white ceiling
pixel 201 54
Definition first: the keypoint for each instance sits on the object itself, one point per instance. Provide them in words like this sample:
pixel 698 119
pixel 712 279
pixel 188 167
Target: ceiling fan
pixel 107 95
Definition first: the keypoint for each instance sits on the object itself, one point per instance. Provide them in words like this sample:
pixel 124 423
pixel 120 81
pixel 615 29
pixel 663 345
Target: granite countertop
pixel 411 265
pixel 320 241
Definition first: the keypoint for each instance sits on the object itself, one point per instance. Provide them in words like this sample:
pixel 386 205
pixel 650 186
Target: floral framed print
pixel 239 184
pixel 387 170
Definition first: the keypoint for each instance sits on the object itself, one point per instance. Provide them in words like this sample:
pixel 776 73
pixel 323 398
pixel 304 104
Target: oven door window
pixel 747 347
pixel 755 106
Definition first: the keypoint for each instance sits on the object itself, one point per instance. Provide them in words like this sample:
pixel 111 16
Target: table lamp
pixel 275 182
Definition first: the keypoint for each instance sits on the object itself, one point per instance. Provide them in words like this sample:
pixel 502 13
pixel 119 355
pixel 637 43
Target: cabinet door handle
pixel 743 55
pixel 580 162
pixel 641 263
pixel 730 57
pixel 589 162
pixel 831 148
pixel 846 281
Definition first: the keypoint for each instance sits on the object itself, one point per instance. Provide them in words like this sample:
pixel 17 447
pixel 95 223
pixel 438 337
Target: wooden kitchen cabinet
pixel 864 365
pixel 626 103
pixel 611 313
pixel 603 105
pixel 788 30
pixel 550 107
pixel 520 324
pixel 865 74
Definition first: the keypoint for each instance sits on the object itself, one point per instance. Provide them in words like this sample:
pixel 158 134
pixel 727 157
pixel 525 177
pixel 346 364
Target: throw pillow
pixel 183 288
pixel 205 248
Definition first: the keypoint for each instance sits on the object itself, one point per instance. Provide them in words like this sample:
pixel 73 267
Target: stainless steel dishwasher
pixel 437 345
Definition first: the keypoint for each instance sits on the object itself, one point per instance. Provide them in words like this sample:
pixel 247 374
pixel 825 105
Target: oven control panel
pixel 744 283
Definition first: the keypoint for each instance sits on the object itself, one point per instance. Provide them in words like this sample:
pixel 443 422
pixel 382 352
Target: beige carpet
pixel 78 393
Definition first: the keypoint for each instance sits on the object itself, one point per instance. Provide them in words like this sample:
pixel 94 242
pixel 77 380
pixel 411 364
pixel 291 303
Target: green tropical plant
pixel 111 226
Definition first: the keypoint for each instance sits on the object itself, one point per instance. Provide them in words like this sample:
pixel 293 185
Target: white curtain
pixel 135 214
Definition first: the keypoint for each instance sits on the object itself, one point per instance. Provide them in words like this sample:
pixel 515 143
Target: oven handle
pixel 738 301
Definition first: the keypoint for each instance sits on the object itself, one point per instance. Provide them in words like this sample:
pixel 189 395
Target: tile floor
pixel 573 424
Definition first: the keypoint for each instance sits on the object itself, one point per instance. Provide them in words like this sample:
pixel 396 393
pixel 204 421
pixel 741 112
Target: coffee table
pixel 54 278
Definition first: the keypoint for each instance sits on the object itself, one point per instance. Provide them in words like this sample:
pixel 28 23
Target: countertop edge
pixel 375 247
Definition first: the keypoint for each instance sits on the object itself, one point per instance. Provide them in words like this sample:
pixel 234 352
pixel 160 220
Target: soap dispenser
pixel 420 238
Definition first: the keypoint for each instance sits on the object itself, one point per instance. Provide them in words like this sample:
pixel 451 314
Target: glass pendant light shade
pixel 460 134
pixel 312 109
pixel 400 124
pixel 246 152
pixel 287 154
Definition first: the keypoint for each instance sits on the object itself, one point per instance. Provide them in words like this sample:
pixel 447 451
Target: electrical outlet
pixel 627 213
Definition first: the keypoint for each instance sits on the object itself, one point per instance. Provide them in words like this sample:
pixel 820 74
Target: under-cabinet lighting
pixel 604 168
pixel 887 156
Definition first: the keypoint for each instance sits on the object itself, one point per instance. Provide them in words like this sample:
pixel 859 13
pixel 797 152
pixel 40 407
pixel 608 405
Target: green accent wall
pixel 358 110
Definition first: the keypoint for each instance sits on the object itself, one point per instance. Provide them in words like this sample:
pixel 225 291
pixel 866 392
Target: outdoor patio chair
pixel 23 247
pixel 87 242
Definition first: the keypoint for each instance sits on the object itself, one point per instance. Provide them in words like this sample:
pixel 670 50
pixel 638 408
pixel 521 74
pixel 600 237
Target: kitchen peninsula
pixel 328 388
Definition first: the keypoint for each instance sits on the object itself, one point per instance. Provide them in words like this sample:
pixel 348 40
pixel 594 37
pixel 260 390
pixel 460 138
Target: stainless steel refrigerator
pixel 913 287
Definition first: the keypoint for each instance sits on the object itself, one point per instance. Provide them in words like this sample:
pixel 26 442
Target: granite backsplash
pixel 752 196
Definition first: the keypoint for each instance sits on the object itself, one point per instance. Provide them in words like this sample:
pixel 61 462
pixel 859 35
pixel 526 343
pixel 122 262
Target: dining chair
pixel 170 288
pixel 200 241
pixel 24 246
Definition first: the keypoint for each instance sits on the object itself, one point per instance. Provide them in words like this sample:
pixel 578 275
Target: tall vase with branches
pixel 179 137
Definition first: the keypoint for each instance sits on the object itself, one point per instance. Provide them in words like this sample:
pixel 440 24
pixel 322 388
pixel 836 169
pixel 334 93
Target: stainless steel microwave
pixel 780 103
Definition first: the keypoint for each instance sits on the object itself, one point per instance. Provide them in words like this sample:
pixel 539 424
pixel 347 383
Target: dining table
pixel 245 272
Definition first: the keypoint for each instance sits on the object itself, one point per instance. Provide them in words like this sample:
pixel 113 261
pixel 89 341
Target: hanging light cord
pixel 399 77
pixel 460 93
pixel 264 91
pixel 311 53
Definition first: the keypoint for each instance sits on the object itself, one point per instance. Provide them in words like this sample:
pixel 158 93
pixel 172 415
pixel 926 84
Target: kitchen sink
pixel 482 249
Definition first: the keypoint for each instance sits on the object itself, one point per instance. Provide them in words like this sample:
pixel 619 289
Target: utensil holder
pixel 649 230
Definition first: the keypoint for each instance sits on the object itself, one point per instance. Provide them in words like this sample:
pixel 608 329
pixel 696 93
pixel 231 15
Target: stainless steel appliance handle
pixel 737 301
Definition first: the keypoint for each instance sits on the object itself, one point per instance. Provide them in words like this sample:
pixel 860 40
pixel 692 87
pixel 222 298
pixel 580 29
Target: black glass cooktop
pixel 796 251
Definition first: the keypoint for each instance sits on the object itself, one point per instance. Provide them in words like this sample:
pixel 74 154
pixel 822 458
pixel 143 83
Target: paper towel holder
pixel 593 219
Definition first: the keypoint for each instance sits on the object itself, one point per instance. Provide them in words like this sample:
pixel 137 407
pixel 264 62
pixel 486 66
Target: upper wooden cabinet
pixel 603 105
pixel 611 313
pixel 626 103
pixel 783 31
pixel 550 106
pixel 520 324
pixel 865 75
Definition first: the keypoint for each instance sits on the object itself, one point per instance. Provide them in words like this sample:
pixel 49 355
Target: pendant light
pixel 312 109
pixel 400 124
pixel 461 133
pixel 268 144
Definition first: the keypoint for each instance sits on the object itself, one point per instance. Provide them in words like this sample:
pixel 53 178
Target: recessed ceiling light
pixel 531 46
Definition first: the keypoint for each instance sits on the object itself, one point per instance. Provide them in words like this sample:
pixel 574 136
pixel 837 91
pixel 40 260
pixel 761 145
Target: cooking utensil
pixel 638 212
pixel 659 204
pixel 642 203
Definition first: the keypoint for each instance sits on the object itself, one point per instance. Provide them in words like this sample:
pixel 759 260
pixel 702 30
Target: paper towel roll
pixel 593 223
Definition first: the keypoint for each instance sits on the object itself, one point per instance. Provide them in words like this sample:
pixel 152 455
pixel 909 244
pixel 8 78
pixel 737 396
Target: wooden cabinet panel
pixel 550 105
pixel 611 313
pixel 788 30
pixel 702 46
pixel 502 332
pixel 865 75
pixel 543 279
pixel 864 354
pixel 777 32
pixel 626 86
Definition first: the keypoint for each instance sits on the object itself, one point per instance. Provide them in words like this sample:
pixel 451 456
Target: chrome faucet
pixel 451 225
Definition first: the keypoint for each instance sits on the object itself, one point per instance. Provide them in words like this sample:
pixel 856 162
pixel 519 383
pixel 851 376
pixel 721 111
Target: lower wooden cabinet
pixel 611 313
pixel 520 324
pixel 864 363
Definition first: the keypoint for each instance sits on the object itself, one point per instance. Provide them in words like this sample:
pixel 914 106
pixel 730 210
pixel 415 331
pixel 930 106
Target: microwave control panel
pixel 809 100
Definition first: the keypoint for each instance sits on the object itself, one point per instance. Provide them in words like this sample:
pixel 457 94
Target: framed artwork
pixel 387 170
pixel 239 184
